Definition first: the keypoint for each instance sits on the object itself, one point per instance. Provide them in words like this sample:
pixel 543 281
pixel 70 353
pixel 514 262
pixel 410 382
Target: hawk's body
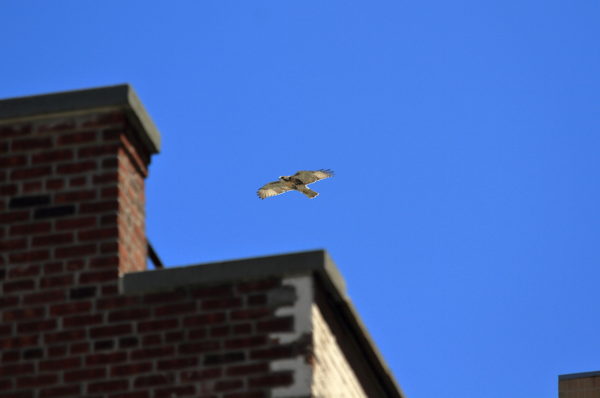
pixel 296 182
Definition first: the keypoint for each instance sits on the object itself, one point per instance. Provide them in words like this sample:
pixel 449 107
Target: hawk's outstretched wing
pixel 272 189
pixel 308 177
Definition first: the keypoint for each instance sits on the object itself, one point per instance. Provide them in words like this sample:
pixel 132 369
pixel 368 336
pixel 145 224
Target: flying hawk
pixel 297 182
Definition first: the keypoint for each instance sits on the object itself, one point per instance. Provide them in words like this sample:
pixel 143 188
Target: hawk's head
pixel 285 178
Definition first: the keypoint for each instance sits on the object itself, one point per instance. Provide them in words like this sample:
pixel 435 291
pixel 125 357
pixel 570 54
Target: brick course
pixel 119 350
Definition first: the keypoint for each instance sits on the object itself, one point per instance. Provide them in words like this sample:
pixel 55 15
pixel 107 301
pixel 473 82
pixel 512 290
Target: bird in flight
pixel 296 182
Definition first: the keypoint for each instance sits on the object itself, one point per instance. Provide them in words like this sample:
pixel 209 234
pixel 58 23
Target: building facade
pixel 579 385
pixel 81 316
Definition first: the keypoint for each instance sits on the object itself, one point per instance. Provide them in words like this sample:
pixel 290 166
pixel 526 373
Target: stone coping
pixel 122 97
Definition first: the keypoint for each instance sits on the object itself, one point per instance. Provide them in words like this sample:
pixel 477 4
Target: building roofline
pixel 317 263
pixel 234 270
pixel 578 375
pixel 121 97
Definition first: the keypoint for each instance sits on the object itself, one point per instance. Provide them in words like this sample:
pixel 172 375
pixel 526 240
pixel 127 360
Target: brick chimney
pixel 72 176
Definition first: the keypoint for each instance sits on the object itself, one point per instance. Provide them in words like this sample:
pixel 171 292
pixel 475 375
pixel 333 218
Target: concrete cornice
pixel 121 97
pixel 301 263
pixel 578 375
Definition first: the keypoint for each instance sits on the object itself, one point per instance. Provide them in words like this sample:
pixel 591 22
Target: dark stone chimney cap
pixel 121 97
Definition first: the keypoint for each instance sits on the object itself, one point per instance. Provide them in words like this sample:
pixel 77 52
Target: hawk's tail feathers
pixel 309 192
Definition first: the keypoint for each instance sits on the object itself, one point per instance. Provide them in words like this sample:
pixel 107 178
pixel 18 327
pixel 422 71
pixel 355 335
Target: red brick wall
pixel 210 341
pixel 72 219
pixel 62 183
pixel 197 342
pixel 585 385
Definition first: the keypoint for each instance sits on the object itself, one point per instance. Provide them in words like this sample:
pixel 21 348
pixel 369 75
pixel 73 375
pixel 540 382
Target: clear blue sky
pixel 464 134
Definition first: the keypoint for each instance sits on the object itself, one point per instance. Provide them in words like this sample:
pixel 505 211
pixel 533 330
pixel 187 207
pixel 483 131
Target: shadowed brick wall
pixel 63 181
pixel 211 341
pixel 579 385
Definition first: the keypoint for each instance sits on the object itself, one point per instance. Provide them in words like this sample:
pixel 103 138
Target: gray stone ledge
pixel 121 97
pixel 284 265
pixel 578 375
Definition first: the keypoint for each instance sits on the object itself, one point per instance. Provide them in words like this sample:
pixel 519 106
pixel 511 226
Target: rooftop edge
pixel 570 376
pixel 317 262
pixel 120 96
pixel 242 269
